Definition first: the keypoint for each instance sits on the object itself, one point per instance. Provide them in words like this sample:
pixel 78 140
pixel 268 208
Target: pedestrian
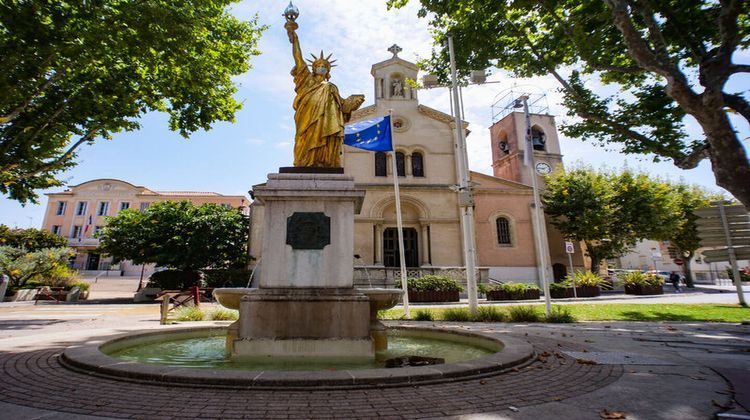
pixel 675 279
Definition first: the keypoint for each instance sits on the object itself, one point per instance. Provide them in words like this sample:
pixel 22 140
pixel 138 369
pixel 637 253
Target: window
pixel 124 205
pixel 537 139
pixel 380 164
pixel 144 206
pixel 226 206
pixel 61 206
pixel 400 166
pixel 81 208
pixel 103 208
pixel 503 231
pixel 76 231
pixel 391 257
pixel 56 229
pixel 97 229
pixel 417 164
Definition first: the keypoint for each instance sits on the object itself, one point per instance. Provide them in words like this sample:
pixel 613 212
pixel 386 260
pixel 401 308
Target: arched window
pixel 400 166
pixel 417 164
pixel 380 164
pixel 537 138
pixel 503 231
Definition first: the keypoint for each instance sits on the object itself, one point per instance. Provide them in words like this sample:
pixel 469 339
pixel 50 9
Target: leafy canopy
pixel 178 235
pixel 667 64
pixel 30 239
pixel 73 71
pixel 21 266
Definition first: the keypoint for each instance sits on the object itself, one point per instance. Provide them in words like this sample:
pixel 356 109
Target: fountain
pixel 305 314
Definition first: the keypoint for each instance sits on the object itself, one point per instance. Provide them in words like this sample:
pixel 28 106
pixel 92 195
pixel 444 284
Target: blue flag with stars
pixel 373 134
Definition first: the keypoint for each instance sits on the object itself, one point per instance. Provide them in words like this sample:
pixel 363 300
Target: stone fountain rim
pixel 89 359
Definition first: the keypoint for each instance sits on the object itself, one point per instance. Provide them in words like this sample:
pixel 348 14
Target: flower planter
pixel 581 291
pixel 643 289
pixel 503 295
pixel 433 296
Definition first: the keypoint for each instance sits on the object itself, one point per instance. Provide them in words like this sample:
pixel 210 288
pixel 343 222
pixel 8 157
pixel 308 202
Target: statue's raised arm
pixel 299 62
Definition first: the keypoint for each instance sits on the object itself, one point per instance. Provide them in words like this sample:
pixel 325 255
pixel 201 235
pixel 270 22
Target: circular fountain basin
pixel 229 297
pixel 490 353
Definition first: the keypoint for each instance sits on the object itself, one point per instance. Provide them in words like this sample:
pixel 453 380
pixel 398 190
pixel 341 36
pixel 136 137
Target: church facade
pixel 426 166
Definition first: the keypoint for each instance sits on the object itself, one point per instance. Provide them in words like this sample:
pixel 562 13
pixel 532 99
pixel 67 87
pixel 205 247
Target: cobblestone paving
pixel 36 379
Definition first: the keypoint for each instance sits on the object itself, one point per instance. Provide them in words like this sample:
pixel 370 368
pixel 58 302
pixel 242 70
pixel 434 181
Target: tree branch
pixel 20 108
pixel 728 31
pixel 739 104
pixel 739 68
pixel 654 32
pixel 694 157
pixel 62 158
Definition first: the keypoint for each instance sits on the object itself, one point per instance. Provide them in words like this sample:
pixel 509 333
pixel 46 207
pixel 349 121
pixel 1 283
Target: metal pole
pixel 572 278
pixel 465 199
pixel 537 207
pixel 732 256
pixel 402 259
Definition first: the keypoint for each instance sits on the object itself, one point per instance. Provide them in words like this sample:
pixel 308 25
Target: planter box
pixel 503 295
pixel 433 296
pixel 643 289
pixel 581 291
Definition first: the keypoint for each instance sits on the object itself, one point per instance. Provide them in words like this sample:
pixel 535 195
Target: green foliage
pixel 74 71
pixel 189 313
pixel 30 239
pixel 457 315
pixel 744 273
pixel 560 315
pixel 637 278
pixel 223 314
pixel 21 266
pixel 585 278
pixel 178 235
pixel 490 314
pixel 665 66
pixel 423 315
pixel 610 212
pixel 82 285
pixel 523 314
pixel 175 279
pixel 515 290
pixel 226 277
pixel 432 283
pixel 560 285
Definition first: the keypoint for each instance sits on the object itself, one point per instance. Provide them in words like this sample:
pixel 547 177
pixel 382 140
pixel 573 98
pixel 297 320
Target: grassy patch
pixel 223 314
pixel 189 313
pixel 523 314
pixel 423 315
pixel 706 312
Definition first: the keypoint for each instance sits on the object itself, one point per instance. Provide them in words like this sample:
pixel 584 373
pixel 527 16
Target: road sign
pixel 678 261
pixel 716 255
pixel 656 254
pixel 569 248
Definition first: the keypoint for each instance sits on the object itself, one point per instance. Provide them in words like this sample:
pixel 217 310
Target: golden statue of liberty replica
pixel 320 112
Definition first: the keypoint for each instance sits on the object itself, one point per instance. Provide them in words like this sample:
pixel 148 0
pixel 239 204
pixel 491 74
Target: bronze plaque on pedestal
pixel 308 230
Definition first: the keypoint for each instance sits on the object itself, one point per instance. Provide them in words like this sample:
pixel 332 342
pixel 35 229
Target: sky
pixel 232 157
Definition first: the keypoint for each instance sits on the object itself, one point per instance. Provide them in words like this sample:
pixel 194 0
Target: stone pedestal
pixel 305 305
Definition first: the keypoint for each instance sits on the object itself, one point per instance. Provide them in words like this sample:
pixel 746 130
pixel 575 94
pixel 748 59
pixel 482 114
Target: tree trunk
pixel 596 259
pixel 687 270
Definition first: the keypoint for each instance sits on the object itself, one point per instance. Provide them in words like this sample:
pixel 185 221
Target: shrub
pixel 31 239
pixel 523 314
pixel 490 314
pixel 559 286
pixel 223 314
pixel 189 313
pixel 229 277
pixel 81 285
pixel 484 288
pixel 560 315
pixel 457 314
pixel 637 278
pixel 22 266
pixel 585 278
pixel 744 273
pixel 424 315
pixel 432 283
pixel 175 279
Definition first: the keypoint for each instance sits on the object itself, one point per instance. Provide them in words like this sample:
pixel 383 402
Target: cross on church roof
pixel 395 49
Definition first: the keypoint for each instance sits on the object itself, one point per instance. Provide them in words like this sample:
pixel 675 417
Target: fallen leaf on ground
pixel 697 378
pixel 720 405
pixel 671 328
pixel 482 382
pixel 606 414
pixel 586 362
pixel 513 408
pixel 556 399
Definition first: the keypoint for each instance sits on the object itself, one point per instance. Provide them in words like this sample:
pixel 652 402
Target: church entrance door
pixel 390 248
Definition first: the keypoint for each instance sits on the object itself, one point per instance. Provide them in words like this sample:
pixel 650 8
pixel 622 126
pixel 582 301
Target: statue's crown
pixel 320 61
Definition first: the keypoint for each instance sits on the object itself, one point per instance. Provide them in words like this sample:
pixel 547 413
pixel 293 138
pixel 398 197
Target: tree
pixel 30 239
pixel 685 236
pixel 668 62
pixel 608 212
pixel 178 235
pixel 21 266
pixel 74 71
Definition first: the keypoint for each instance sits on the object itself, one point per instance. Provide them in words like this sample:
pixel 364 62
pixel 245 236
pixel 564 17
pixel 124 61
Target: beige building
pixel 79 212
pixel 426 164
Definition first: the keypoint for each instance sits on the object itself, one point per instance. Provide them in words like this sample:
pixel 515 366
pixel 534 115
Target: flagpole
pixel 400 228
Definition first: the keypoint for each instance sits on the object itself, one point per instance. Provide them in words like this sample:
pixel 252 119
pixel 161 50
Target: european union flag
pixel 373 134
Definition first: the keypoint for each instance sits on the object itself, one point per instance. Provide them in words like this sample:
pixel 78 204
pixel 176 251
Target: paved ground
pixel 644 370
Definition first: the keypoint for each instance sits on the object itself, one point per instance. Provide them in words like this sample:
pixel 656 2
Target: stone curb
pixel 88 358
